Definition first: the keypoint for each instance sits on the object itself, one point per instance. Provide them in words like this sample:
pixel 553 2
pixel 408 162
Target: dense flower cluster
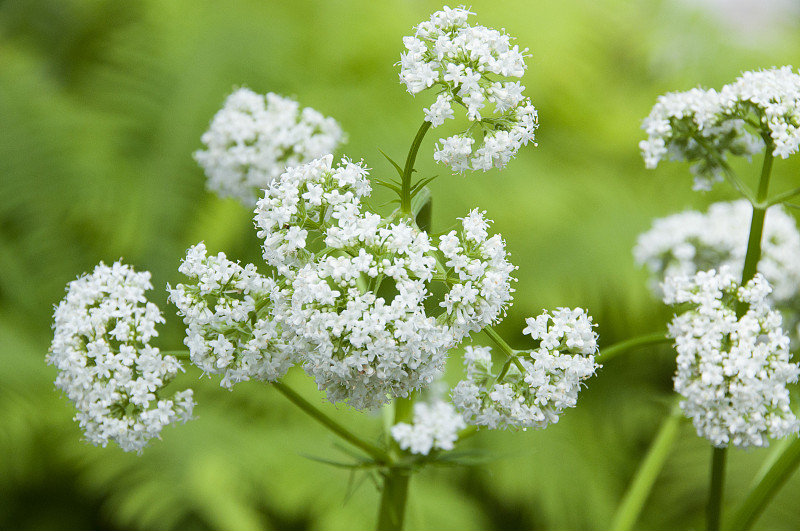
pixel 536 386
pixel 227 310
pixel 470 66
pixel 435 426
pixel 685 243
pixel 107 367
pixel 254 138
pixel 732 370
pixel 479 275
pixel 357 299
pixel 702 126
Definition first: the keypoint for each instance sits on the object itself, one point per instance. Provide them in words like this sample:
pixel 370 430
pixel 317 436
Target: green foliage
pixel 103 103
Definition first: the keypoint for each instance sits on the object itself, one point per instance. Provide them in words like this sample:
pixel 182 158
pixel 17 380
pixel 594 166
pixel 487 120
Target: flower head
pixel 105 363
pixel 538 385
pixel 229 313
pixel 358 286
pixel 685 243
pixel 254 138
pixel 470 66
pixel 732 369
pixel 436 426
pixel 703 126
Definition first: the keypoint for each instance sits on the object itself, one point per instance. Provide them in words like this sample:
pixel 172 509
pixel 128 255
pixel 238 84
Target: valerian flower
pixel 254 138
pixel 733 369
pixel 537 385
pixel 703 126
pixel 106 365
pixel 470 66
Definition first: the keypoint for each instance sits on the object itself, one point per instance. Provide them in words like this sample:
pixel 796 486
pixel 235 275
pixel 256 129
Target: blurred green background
pixel 102 104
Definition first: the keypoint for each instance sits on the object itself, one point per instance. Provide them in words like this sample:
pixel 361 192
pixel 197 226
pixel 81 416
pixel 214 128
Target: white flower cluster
pixel 479 275
pixel 227 312
pixel 732 371
pixel 254 138
pixel 358 302
pixel 107 367
pixel 702 125
pixel 435 426
pixel 685 243
pixel 537 385
pixel 470 65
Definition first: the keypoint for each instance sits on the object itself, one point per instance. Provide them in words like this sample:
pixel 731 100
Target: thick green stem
pixel 767 486
pixel 393 499
pixel 639 489
pixel 396 477
pixel 373 451
pixel 630 344
pixel 757 224
pixel 714 507
pixel 408 170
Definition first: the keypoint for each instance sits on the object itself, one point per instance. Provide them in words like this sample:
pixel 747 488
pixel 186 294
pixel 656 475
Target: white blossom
pixel 255 137
pixel 537 385
pixel 702 126
pixel 732 369
pixel 229 313
pixel 105 363
pixel 435 427
pixel 479 274
pixel 470 66
pixel 691 241
pixel 359 288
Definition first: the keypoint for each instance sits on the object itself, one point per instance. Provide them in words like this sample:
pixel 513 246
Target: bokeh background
pixel 102 104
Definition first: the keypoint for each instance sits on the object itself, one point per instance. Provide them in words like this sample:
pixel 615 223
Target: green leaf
pixel 393 163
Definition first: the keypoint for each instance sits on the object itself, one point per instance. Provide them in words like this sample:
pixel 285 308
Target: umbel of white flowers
pixel 703 126
pixel 105 363
pixel 545 381
pixel 470 66
pixel 254 138
pixel 732 371
pixel 688 242
pixel 325 309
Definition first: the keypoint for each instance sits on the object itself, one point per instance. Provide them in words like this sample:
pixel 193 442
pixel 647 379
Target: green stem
pixel 757 224
pixel 630 344
pixel 714 508
pixel 180 354
pixel 758 498
pixel 499 341
pixel 405 197
pixel 780 198
pixel 638 491
pixel 393 499
pixel 379 455
pixel 396 477
pixel 753 255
